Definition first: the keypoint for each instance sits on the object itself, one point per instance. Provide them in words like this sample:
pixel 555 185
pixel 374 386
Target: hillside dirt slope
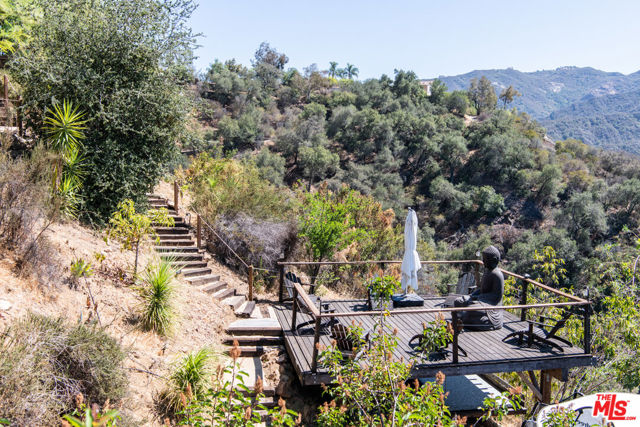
pixel 200 323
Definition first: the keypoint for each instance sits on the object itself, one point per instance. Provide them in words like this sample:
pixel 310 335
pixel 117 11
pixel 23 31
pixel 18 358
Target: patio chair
pixel 543 333
pixel 345 343
pixel 466 284
pixel 324 307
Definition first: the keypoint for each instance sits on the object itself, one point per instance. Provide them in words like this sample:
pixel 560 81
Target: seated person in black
pixel 489 293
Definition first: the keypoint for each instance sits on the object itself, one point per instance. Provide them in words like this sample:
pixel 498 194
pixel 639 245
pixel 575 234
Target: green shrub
pixel 157 294
pixel 125 67
pixel 45 363
pixel 190 376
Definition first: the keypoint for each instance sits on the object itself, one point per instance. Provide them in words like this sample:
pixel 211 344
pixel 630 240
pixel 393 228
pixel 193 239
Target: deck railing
pixel 317 316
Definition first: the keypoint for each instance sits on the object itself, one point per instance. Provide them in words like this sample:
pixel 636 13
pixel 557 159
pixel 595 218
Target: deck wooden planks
pixel 485 349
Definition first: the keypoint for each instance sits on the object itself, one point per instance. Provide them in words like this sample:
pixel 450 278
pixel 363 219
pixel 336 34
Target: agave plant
pixel 64 126
pixel 157 294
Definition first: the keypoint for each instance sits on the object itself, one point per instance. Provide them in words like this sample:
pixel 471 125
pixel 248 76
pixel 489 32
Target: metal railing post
pixel 454 321
pixel 476 274
pixel 587 325
pixel 281 284
pixel 523 297
pixel 294 315
pixel 250 270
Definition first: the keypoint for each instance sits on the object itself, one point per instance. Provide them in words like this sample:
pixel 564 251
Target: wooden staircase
pixel 257 332
pixel 177 245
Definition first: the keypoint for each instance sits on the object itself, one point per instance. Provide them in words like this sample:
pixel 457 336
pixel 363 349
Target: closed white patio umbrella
pixel 411 260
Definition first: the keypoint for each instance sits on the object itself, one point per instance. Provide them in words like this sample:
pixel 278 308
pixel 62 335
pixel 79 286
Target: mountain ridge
pixel 564 100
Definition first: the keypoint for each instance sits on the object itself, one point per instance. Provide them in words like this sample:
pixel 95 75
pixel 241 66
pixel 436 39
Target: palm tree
pixel 351 71
pixel 333 69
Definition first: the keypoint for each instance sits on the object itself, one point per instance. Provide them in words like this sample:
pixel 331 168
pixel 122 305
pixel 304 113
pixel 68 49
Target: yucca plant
pixel 64 126
pixel 157 293
pixel 69 197
pixel 189 380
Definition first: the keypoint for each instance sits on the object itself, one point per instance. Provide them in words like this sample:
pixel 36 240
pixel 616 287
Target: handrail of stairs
pixel 199 221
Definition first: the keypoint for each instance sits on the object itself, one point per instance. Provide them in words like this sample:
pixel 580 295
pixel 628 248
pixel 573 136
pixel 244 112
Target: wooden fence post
pixel 198 231
pixel 176 195
pixel 250 268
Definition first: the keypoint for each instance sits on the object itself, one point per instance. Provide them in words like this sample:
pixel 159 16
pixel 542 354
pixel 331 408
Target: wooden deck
pixel 486 353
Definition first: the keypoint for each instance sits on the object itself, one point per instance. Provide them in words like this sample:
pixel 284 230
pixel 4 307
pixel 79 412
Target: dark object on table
pixel 537 334
pixel 488 294
pixel 407 300
pixel 323 307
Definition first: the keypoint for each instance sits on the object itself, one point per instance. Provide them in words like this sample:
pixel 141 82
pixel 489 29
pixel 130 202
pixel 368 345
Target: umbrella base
pixel 407 300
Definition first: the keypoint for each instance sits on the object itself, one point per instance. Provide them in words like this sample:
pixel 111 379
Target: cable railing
pixel 302 297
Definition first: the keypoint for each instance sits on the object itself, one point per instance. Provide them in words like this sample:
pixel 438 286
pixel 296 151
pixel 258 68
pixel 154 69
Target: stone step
pixel 202 280
pixel 234 301
pixel 176 224
pixel 180 265
pixel 266 391
pixel 171 230
pixel 214 288
pixel 253 350
pixel 182 249
pixel 245 309
pixel 254 340
pixel 190 272
pixel 224 293
pixel 176 242
pixel 252 366
pixel 181 256
pixel 267 327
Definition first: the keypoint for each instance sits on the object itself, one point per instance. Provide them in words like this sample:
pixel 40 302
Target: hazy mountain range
pixel 598 107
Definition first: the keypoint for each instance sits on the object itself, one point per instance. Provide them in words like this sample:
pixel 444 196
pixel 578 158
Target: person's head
pixel 491 257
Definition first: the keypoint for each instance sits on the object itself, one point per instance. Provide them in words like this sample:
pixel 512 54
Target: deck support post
pixel 295 310
pixel 532 383
pixel 454 319
pixel 316 343
pixel 199 231
pixel 281 279
pixel 250 281
pixel 546 381
pixel 523 297
pixel 176 195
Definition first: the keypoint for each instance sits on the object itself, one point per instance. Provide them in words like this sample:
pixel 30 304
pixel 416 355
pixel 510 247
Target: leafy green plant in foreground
pixel 157 293
pixel 227 401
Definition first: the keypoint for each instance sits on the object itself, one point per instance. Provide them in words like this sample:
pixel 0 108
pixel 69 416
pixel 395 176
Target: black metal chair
pixel 543 333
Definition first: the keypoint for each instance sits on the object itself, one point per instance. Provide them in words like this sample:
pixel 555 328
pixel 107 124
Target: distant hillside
pixel 598 107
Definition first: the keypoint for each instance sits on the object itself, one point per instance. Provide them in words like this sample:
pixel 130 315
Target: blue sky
pixel 430 37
